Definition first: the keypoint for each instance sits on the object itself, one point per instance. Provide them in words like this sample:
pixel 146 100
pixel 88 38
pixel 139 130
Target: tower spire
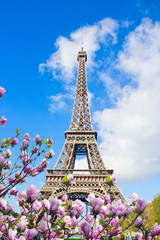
pixel 81 120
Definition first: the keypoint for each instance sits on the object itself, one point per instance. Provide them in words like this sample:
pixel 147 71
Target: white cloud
pixel 130 132
pixel 63 62
pixel 59 102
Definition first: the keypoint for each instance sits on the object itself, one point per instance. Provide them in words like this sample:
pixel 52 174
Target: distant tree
pixel 156 208
pixel 148 216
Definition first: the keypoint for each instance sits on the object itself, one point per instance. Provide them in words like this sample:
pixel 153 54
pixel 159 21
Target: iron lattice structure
pixel 81 139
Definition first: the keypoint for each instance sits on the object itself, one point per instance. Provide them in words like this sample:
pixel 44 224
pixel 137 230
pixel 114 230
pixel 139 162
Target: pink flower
pixel 50 154
pixel 37 139
pixel 91 197
pixel 52 235
pixel 70 222
pixel 96 205
pixel 134 197
pixel 78 208
pixel 26 136
pixel 13 191
pixel 3 204
pixel 23 223
pixel 2 159
pixel 2 91
pixel 32 193
pixel 89 217
pixel 70 179
pixel 42 225
pixel 155 230
pixel 10 207
pixel 12 234
pixel 14 141
pixel 7 154
pixel 107 199
pixel 8 165
pixel 116 231
pixel 86 229
pixel 114 222
pixel 25 144
pixel 11 179
pixel 37 206
pixel 35 149
pixel 104 212
pixel 138 222
pixel 140 205
pixel 55 203
pixel 60 211
pixel 31 234
pixel 113 179
pixel 64 198
pixel 116 208
pixel 46 204
pixel 139 236
pixel 27 169
pixel 22 196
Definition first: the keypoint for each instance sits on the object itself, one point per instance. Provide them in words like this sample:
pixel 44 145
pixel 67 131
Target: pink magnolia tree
pixel 55 218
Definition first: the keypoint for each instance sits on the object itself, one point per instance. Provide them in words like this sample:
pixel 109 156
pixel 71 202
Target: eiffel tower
pixel 81 139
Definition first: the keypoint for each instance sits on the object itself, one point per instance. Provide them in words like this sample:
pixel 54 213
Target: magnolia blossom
pixel 32 192
pixel 78 208
pixel 96 205
pixel 139 236
pixel 43 225
pixel 70 222
pixel 14 141
pixel 138 222
pixel 12 234
pixel 140 205
pixel 22 225
pixel 37 206
pixel 90 198
pixel 107 199
pixel 22 197
pixel 31 234
pixel 86 229
pixel 89 217
pixel 3 204
pixel 37 139
pixel 55 203
pixel 3 120
pixel 134 197
pixel 26 136
pixel 35 149
pixel 46 204
pixel 113 179
pixel 50 154
pixel 25 144
pixel 7 154
pixel 155 230
pixel 70 179
pixel 60 211
pixel 2 91
pixel 64 198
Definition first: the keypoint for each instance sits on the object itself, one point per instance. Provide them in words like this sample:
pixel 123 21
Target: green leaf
pixel 17 131
pixel 101 221
pixel 108 179
pixel 102 234
pixel 66 179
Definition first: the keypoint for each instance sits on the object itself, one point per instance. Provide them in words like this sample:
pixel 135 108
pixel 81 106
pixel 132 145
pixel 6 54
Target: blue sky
pixel 38 47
